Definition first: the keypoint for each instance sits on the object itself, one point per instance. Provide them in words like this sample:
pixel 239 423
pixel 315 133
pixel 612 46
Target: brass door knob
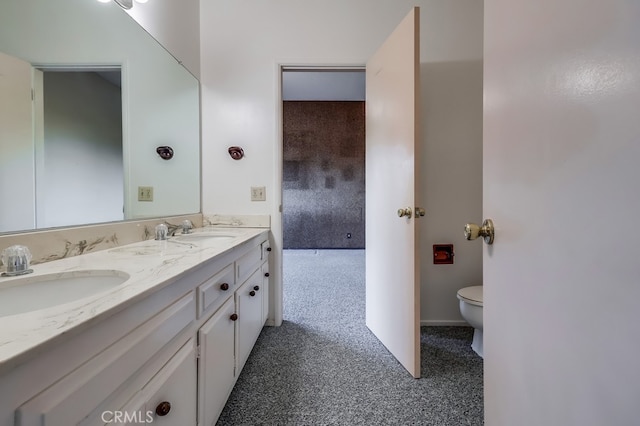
pixel 486 231
pixel 420 212
pixel 405 212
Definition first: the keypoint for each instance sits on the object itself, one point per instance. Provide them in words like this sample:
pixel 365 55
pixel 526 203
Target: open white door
pixel 16 145
pixel 392 273
pixel 561 183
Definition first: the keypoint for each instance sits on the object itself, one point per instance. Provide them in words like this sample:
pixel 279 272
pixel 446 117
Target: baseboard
pixel 436 323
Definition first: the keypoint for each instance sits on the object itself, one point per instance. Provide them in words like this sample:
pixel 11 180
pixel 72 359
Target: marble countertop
pixel 150 264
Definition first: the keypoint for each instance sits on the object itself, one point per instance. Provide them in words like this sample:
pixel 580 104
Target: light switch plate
pixel 258 193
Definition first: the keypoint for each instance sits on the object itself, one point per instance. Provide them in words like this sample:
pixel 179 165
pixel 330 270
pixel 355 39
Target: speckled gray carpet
pixel 324 367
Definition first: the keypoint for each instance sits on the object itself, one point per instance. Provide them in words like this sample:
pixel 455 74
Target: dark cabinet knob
pixel 252 293
pixel 233 317
pixel 163 408
pixel 256 287
pixel 268 248
pixel 266 274
pixel 224 286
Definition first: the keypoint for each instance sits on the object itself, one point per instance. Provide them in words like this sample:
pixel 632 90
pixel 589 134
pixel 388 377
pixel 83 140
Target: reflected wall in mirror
pixel 68 69
pixel 79 174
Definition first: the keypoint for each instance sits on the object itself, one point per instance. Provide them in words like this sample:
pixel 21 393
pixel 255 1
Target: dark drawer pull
pixel 233 317
pixel 252 293
pixel 256 287
pixel 224 286
pixel 266 274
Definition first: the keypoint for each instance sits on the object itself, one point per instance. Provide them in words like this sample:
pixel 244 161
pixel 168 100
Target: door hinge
pixel 198 352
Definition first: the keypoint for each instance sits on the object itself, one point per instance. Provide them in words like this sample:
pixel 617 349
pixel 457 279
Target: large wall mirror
pixel 86 97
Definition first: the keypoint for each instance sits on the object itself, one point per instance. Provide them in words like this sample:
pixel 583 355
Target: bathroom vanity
pixel 165 346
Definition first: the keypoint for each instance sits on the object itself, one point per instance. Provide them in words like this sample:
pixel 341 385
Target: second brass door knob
pixel 486 231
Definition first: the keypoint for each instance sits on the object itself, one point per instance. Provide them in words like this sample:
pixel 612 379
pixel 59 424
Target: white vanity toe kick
pixel 151 266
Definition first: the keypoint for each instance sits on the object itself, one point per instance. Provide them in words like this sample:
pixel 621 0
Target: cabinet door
pixel 264 289
pixel 170 396
pixel 249 308
pixel 216 369
pixel 174 401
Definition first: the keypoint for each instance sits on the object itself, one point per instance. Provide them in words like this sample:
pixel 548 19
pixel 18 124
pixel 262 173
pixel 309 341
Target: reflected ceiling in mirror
pixel 159 106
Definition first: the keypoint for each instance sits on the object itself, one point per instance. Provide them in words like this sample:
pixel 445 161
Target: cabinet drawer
pixel 170 397
pixel 214 291
pixel 247 264
pixel 72 398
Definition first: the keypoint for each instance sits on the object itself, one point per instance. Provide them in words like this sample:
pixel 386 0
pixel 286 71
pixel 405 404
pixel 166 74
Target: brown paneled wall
pixel 323 174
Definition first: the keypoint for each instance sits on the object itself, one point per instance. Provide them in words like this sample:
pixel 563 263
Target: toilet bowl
pixel 471 310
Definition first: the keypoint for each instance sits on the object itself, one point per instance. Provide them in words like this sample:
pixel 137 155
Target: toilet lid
pixel 471 295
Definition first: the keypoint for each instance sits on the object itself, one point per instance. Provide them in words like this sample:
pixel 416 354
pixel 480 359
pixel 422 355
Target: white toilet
pixel 471 310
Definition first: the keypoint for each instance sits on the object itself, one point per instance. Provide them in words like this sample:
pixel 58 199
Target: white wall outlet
pixel 258 193
pixel 145 193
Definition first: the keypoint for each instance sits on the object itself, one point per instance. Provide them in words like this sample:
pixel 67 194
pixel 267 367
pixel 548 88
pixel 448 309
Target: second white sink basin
pixel 152 247
pixel 32 293
pixel 211 236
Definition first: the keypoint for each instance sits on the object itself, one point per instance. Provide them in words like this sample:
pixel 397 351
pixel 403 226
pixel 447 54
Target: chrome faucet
pixel 17 260
pixel 162 232
pixel 187 226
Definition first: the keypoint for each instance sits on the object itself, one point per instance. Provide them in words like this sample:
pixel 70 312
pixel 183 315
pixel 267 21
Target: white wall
pixel 244 42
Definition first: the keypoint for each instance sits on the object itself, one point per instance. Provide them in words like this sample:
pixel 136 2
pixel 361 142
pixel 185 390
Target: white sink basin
pixel 210 236
pixel 32 293
pixel 153 247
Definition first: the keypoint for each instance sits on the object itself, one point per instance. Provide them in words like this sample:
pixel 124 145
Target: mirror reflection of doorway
pixel 78 144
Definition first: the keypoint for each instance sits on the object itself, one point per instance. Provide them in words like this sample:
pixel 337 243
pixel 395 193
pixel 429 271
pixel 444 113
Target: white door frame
pixel 276 301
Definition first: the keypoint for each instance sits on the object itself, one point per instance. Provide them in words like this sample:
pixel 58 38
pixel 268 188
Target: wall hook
pixel 165 152
pixel 236 152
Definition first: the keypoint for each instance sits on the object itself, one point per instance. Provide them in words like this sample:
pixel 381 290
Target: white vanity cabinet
pixel 171 357
pixel 228 336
